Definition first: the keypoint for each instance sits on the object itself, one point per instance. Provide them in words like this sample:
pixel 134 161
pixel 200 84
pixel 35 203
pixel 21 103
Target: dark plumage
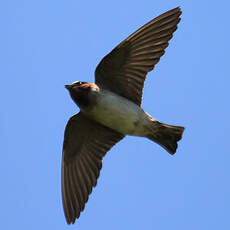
pixel 110 109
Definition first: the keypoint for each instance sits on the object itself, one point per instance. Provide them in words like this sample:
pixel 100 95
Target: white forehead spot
pixel 75 82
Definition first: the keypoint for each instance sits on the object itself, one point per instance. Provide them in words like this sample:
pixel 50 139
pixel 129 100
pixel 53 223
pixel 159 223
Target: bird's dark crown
pixel 76 83
pixel 79 83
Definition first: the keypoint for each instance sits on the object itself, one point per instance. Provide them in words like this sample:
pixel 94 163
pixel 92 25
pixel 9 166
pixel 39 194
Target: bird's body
pixel 118 113
pixel 110 109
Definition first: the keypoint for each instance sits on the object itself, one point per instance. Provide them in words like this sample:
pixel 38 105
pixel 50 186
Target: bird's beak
pixel 68 87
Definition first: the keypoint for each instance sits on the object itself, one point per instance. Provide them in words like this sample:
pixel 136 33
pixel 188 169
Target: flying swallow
pixel 110 110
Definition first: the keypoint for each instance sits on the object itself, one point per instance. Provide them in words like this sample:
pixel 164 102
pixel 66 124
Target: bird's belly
pixel 119 114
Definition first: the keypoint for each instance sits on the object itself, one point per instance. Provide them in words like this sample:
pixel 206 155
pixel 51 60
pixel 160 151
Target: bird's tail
pixel 166 136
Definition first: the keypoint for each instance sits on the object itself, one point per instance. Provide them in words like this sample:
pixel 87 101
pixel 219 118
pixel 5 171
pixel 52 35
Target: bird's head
pixel 82 93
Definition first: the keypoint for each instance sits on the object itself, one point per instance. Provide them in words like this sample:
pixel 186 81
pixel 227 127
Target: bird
pixel 110 109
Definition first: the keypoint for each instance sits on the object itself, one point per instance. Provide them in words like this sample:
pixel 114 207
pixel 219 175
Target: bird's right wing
pixel 85 144
pixel 124 69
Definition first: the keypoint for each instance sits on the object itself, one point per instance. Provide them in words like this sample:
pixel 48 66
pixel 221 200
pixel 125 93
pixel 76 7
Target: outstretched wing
pixel 85 144
pixel 124 69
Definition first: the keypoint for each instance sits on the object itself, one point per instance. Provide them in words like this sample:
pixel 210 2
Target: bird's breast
pixel 119 114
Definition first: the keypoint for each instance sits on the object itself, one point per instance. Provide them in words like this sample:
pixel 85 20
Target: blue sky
pixel 46 44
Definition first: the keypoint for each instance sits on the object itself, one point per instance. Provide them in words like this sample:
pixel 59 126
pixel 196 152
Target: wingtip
pixel 72 220
pixel 176 10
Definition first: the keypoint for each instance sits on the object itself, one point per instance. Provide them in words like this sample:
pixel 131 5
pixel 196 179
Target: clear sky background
pixel 46 44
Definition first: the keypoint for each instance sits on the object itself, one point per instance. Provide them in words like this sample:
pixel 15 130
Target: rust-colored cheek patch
pixel 86 85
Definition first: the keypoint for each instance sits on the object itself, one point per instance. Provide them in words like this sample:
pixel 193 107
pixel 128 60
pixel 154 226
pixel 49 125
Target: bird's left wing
pixel 124 69
pixel 85 144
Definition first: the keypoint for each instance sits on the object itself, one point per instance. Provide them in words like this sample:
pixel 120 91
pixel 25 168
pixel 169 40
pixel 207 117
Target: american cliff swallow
pixel 110 110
